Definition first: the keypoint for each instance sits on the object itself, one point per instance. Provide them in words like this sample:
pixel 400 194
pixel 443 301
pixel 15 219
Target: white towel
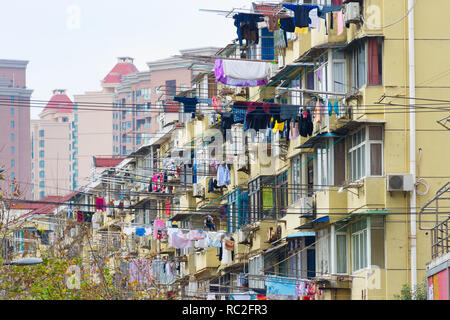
pixel 246 70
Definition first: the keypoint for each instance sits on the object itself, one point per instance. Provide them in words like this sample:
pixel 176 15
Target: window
pixel 281 194
pixel 262 198
pixel 41 194
pixel 323 252
pixel 41 164
pixel 12 124
pixel 41 184
pixel 359 245
pixel 41 153
pixel 41 143
pixel 42 174
pixel 13 163
pixel 65 119
pixel 267 45
pixel 341 249
pixel 237 210
pixel 362 144
pixel 13 150
pixel 13 175
pixel 296 178
pixel 321 77
pixel 339 72
pixel 358 72
pixel 171 88
pixel 375 52
pixel 256 268
pixel 364 233
pixel 13 137
pixel 12 99
pixel 12 111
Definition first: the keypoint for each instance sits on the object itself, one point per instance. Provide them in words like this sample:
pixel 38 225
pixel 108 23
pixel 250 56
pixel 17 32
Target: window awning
pixel 278 247
pixel 301 234
pixel 356 215
pixel 315 139
pixel 322 219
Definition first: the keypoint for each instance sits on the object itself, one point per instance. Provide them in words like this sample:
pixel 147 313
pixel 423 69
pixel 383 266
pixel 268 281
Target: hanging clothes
pixel 202 243
pixel 227 250
pixel 196 235
pixel 293 132
pixel 246 70
pixel 215 239
pixel 314 19
pixel 223 175
pixel 100 203
pixel 288 112
pixel 161 224
pixel 287 24
pixel 246 27
pixel 190 104
pixel 168 209
pixel 221 67
pixel 212 185
pixel 340 22
pixel 280 41
pixel 177 239
pixel 318 112
pixel 209 223
pixel 301 14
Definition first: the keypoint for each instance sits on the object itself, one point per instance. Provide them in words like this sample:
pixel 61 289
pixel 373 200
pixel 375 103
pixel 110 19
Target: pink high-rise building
pixel 92 128
pixel 51 147
pixel 15 144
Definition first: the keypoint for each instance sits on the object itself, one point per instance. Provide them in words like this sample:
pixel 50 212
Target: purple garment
pixel 178 240
pixel 220 76
pixel 140 271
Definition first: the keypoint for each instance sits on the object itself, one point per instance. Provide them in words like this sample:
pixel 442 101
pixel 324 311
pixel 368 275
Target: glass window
pixel 341 253
pixel 41 133
pixel 41 194
pixel 12 111
pixel 42 174
pixel 296 179
pixel 12 124
pixel 13 175
pixel 41 184
pixel 13 162
pixel 13 150
pixel 13 137
pixel 377 241
pixel 41 153
pixel 323 252
pixel 41 164
pixel 41 143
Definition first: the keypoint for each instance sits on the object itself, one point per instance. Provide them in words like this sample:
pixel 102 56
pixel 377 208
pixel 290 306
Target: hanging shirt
pixel 301 13
pixel 202 243
pixel 314 18
pixel 215 239
pixel 100 203
pixel 189 103
pixel 223 176
pixel 287 24
pixel 177 239
pixel 340 22
pixel 288 112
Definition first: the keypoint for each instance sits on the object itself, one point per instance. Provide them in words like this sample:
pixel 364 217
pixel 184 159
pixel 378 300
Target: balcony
pixel 204 260
pixel 330 203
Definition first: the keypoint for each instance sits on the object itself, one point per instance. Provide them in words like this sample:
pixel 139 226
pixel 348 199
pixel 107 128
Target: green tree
pixel 420 292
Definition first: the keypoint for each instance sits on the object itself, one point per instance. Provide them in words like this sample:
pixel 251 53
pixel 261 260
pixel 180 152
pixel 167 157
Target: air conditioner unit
pixel 345 112
pixel 198 191
pixel 306 206
pixel 352 12
pixel 400 182
pixel 243 236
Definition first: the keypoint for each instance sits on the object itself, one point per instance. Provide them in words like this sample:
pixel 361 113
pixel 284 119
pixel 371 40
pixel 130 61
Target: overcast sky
pixel 73 44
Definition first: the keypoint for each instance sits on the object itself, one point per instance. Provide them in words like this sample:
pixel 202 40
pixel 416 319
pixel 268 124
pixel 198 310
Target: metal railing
pixel 440 241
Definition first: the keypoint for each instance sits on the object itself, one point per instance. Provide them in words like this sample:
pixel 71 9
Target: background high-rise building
pixel 15 144
pixel 51 147
pixel 92 127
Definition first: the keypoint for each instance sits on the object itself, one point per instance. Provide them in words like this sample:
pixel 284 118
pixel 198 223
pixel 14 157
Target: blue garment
pixel 140 231
pixel 239 114
pixel 189 104
pixel 205 100
pixel 287 24
pixel 223 175
pixel 301 14
pixel 249 21
pixel 336 107
pixel 323 10
pixel 330 108
pixel 194 173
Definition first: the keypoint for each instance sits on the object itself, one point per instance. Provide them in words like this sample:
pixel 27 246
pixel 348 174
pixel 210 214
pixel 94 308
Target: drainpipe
pixel 412 143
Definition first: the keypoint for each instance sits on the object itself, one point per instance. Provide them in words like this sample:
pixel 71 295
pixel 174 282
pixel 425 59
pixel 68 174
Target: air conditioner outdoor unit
pixel 243 236
pixel 400 182
pixel 352 12
pixel 306 206
pixel 198 191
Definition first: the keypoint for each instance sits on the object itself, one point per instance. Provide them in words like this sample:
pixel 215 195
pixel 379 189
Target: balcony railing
pixel 440 241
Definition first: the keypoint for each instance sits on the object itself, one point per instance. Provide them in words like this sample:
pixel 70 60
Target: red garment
pixel 80 216
pixel 168 207
pixel 100 204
